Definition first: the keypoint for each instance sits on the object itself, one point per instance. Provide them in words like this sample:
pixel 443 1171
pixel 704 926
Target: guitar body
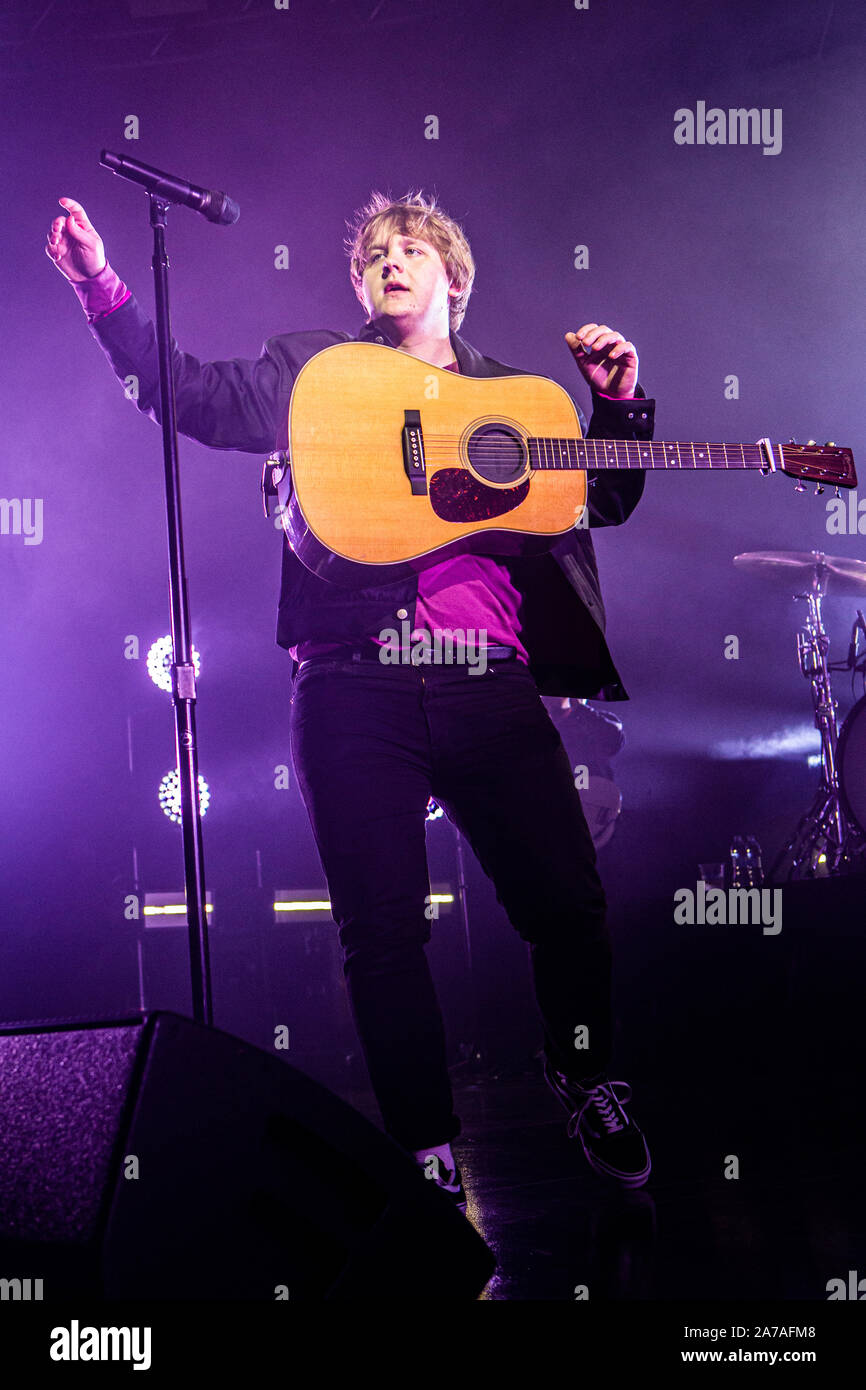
pixel 356 512
pixel 397 465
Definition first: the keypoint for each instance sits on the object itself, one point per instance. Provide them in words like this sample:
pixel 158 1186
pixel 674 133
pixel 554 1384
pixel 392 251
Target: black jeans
pixel 370 744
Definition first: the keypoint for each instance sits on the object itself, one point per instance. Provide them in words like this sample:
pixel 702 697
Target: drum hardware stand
pixel 471 1052
pixel 824 841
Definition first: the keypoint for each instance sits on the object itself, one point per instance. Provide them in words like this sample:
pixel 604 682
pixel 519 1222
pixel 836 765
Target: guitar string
pixel 660 457
pixel 584 441
pixel 540 461
pixel 553 461
pixel 630 454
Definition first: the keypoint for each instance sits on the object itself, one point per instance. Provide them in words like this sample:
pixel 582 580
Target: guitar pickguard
pixel 455 495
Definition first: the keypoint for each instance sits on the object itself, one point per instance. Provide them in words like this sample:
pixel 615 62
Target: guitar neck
pixel 630 453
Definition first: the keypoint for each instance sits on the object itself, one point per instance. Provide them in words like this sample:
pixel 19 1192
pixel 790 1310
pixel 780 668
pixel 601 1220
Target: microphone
pixel 859 626
pixel 211 203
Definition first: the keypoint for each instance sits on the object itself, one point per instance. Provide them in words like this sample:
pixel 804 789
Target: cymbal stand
pixel 824 840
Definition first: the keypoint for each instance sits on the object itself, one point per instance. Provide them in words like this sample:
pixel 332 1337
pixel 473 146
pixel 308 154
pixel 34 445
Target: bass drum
pixel 851 758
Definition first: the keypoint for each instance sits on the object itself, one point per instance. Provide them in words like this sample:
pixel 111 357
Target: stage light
pixel 169 909
pixel 301 905
pixel 290 905
pixel 169 795
pixel 159 663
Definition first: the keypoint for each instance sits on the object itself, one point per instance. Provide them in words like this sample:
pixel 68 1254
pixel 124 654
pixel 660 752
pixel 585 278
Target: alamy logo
pixel 736 126
pixel 854 1289
pixel 20 1290
pixel 714 907
pixel 846 516
pixel 74 1343
pixel 22 516
pixel 451 646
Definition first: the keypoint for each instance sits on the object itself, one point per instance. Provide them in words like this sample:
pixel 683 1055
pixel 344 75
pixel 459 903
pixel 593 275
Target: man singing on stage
pixel 387 736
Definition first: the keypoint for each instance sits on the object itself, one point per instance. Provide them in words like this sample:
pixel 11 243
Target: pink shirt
pixel 101 294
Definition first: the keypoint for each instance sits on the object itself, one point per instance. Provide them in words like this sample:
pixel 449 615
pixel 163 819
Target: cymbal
pixel 804 566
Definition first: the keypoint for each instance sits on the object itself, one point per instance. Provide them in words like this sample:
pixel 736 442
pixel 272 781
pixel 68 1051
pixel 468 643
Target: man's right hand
pixel 74 245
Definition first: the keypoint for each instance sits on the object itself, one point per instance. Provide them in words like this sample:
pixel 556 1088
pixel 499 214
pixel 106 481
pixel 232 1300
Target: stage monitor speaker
pixel 150 1157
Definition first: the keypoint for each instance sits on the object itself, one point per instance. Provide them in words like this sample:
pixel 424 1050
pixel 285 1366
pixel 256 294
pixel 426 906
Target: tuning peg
pixel 819 489
pixel 801 486
pixel 809 443
pixel 836 491
pixel 792 440
pixel 831 444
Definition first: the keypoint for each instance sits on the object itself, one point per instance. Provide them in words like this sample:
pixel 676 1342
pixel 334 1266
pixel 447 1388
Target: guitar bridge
pixel 414 462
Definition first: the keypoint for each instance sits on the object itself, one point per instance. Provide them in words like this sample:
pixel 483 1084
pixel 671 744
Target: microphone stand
pixel 183 692
pixel 164 189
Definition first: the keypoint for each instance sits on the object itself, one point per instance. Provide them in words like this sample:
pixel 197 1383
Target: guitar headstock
pixel 819 463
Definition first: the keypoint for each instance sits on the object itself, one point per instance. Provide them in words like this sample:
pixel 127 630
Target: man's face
pixel 405 281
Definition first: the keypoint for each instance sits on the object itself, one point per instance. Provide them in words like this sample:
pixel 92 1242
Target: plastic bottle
pixel 754 868
pixel 738 858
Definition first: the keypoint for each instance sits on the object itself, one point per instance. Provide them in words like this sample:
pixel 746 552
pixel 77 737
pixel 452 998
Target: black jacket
pixel 242 404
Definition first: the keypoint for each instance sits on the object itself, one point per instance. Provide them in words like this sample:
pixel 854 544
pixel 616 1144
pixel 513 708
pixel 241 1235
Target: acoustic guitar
pixel 395 465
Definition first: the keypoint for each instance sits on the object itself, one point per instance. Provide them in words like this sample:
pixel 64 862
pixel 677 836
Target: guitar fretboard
pixel 632 453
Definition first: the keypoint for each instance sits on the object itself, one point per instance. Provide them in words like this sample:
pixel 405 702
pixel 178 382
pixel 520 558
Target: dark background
pixel 555 129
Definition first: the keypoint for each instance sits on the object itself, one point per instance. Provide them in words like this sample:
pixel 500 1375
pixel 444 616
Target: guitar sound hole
pixel 497 453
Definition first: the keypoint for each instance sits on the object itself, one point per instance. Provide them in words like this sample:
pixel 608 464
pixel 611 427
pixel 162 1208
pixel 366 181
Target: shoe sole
pixel 613 1174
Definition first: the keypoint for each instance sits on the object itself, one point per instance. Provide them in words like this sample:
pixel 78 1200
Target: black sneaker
pixel 613 1144
pixel 451 1183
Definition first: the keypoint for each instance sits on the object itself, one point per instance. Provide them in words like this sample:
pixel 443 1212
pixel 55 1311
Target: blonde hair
pixel 413 215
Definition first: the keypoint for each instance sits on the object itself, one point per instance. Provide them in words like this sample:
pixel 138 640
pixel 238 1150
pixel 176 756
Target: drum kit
pixel 830 837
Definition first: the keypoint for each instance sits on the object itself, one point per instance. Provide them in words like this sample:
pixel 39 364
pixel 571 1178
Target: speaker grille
pixel 62 1102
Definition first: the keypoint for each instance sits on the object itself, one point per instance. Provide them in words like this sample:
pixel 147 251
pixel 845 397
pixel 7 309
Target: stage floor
pixel 794 1219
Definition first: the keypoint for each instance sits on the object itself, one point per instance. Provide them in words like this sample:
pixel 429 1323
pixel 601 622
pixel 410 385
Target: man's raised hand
pixel 74 245
pixel 611 363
